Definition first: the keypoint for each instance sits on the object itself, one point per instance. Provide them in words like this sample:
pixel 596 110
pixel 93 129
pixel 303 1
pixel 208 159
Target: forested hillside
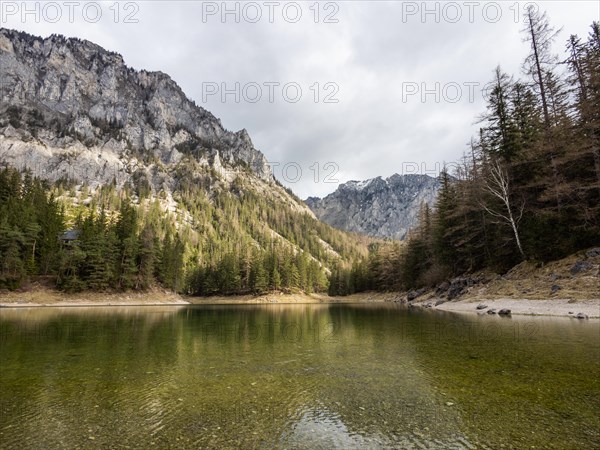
pixel 529 189
pixel 116 240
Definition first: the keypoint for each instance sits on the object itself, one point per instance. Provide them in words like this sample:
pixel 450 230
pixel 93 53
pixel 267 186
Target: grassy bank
pixel 561 288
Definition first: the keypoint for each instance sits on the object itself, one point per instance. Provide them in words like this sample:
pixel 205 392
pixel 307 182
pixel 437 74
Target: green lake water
pixel 296 377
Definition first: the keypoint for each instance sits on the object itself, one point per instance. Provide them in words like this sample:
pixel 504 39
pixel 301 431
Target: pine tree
pixel 540 35
pixel 260 282
pixel 275 279
pixel 445 223
pixel 499 134
pixel 12 266
pixel 294 277
pixel 147 257
pixel 51 217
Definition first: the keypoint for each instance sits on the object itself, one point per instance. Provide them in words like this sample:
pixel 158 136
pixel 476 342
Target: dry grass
pixel 364 297
pixel 529 281
pixel 41 294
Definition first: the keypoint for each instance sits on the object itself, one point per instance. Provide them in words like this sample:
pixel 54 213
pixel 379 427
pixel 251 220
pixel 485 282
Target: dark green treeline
pixel 226 246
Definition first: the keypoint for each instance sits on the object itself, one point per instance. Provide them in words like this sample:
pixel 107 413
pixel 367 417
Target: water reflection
pixel 295 376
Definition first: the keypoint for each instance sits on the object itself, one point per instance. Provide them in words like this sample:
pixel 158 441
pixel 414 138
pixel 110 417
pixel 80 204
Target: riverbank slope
pixel 560 288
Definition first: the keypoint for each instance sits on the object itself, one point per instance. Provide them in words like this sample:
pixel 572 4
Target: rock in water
pixel 481 306
pixel 504 312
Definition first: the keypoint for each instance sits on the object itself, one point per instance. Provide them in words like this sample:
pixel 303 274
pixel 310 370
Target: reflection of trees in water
pixel 266 375
pixel 348 365
pixel 80 367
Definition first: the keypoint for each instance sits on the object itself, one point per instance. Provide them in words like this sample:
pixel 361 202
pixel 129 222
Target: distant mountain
pixel 377 207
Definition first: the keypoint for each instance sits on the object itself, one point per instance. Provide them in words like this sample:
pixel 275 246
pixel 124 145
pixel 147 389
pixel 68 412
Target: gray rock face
pixel 377 207
pixel 70 109
pixel 593 252
pixel 581 266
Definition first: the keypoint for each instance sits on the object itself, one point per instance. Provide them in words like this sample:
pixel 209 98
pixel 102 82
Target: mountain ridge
pixel 90 92
pixel 378 207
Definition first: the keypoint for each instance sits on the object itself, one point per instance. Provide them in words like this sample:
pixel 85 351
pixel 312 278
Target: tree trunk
pixel 538 69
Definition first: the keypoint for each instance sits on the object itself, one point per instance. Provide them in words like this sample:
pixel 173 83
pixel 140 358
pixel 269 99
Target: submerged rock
pixel 581 316
pixel 491 311
pixel 504 312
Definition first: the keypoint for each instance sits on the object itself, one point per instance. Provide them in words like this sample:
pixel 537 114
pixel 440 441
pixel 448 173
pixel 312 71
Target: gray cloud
pixel 369 54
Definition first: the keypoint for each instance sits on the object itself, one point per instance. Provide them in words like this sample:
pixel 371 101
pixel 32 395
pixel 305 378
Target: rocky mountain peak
pixel 378 207
pixel 65 95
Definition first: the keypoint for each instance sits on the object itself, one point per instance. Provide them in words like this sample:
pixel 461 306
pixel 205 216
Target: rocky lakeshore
pixel 577 309
pixel 568 287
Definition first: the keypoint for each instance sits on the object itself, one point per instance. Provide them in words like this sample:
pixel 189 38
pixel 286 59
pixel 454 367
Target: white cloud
pixel 369 53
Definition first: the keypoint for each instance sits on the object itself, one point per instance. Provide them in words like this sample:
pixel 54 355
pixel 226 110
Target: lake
pixel 295 377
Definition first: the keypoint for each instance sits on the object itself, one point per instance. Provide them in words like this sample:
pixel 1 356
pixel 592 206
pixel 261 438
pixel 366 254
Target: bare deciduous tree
pixel 497 184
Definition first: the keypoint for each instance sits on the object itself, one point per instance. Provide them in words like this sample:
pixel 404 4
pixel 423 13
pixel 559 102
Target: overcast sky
pixel 361 67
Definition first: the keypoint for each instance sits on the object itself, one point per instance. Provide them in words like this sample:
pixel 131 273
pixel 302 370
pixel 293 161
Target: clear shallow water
pixel 297 377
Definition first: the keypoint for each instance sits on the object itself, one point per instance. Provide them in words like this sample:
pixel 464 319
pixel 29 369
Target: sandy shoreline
pixel 550 307
pixel 53 298
pixel 467 305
